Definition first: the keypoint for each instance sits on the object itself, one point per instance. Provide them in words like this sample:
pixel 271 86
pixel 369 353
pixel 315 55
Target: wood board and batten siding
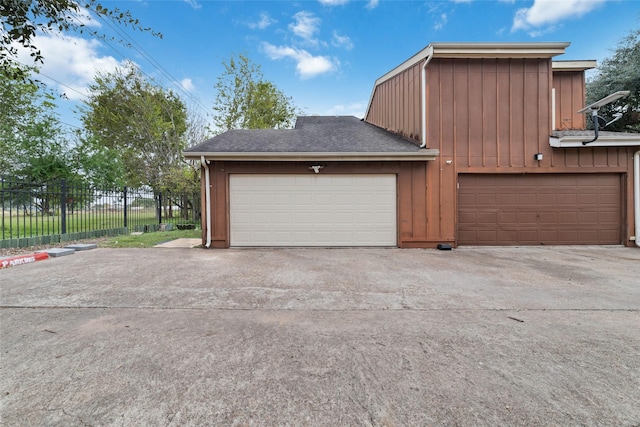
pixel 569 90
pixel 395 105
pixel 490 116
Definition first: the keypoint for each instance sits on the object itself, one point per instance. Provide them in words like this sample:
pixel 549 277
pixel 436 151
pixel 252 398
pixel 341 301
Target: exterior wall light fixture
pixel 537 156
pixel 316 168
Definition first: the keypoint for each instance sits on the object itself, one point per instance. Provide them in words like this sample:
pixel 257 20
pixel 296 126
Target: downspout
pixel 423 99
pixel 636 194
pixel 207 199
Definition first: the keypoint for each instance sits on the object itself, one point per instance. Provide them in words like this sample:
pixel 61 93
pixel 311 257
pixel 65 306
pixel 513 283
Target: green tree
pixel 621 71
pixel 22 20
pixel 101 166
pixel 35 152
pixel 142 124
pixel 245 100
pixel 31 140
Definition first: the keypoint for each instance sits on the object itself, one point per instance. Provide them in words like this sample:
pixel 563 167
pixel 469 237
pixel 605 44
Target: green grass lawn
pixel 38 225
pixel 148 240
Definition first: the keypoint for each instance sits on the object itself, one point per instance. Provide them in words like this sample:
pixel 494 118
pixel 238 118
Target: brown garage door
pixel 552 209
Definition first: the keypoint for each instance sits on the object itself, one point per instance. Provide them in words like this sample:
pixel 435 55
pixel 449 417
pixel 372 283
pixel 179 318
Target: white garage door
pixel 313 210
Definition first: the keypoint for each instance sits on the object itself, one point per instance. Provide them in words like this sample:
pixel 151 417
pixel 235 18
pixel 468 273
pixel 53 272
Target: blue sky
pixel 324 54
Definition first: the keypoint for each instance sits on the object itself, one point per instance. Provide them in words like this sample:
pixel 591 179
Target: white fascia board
pixel 574 65
pixel 498 50
pixel 604 141
pixel 422 155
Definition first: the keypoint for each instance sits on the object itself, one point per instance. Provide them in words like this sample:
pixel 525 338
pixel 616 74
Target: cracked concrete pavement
pixel 373 337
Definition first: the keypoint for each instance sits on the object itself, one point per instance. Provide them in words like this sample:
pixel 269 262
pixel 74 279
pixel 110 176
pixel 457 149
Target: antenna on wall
pixel 599 122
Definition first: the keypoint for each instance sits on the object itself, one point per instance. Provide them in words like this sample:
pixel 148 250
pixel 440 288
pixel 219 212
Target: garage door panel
pixel 508 217
pixel 547 218
pixel 568 199
pixel 312 210
pixel 539 209
pixel 568 218
pixel 507 235
pixel 506 198
pixel 486 235
pixel 547 199
pixel 527 217
pixel 568 236
pixel 467 199
pixel 487 217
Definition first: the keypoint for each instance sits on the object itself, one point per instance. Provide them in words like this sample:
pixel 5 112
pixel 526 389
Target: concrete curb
pixel 22 259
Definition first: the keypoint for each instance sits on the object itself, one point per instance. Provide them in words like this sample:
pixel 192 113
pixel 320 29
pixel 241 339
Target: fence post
pixel 63 206
pixel 124 197
pixel 2 202
pixel 159 208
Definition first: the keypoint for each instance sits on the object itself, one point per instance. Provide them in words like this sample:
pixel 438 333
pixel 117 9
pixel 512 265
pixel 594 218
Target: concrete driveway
pixel 373 337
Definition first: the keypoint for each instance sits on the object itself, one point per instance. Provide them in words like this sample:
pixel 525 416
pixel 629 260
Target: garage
pixel 534 209
pixel 312 210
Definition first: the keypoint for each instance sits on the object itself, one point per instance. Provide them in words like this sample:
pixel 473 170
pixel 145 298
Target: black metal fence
pixel 41 213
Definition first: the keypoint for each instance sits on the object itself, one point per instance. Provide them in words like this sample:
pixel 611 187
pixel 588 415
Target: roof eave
pixel 576 141
pixel 422 155
pixel 499 50
pixel 580 65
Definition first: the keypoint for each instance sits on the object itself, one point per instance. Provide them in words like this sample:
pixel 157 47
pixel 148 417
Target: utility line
pixel 157 65
pixel 51 78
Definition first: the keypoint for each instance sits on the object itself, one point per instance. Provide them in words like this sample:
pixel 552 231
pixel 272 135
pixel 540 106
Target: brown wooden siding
pixel 412 188
pixel 570 97
pixel 396 104
pixel 492 116
pixel 489 112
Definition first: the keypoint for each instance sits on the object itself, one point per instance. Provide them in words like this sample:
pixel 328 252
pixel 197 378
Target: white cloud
pixel 71 62
pixel 306 25
pixel 193 3
pixel 187 84
pixel 264 22
pixel 334 2
pixel 372 4
pixel 549 12
pixel 307 65
pixel 356 109
pixel 341 41
pixel 441 22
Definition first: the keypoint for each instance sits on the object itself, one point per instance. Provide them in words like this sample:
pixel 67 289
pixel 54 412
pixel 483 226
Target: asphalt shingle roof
pixel 312 134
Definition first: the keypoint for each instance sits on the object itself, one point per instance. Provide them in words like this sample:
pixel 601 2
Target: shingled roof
pixel 317 137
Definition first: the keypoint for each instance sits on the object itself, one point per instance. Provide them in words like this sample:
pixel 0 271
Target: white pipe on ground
pixel 636 194
pixel 207 199
pixel 423 98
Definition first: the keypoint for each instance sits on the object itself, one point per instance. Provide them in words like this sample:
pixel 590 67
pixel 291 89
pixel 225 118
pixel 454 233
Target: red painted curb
pixel 22 259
